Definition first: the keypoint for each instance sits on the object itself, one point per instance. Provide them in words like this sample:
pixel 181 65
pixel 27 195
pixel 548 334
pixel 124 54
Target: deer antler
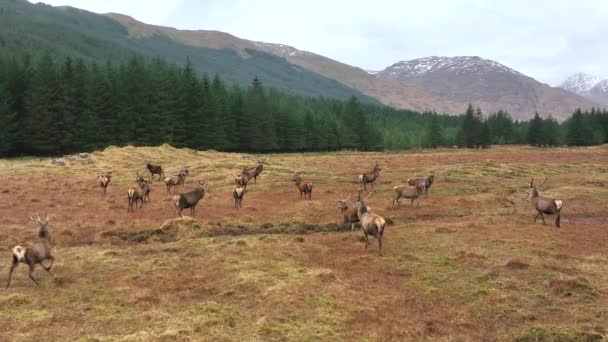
pixel 347 198
pixel 532 182
pixel 545 181
pixel 372 194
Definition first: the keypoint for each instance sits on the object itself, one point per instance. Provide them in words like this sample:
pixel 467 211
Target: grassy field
pixel 467 265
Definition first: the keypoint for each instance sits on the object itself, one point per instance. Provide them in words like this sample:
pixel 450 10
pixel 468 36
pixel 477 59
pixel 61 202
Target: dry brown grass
pixel 468 264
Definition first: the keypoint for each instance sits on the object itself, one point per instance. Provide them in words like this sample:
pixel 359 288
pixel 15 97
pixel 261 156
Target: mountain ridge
pixel 589 86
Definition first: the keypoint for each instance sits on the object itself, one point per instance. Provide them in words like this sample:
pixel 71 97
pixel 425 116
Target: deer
pixel 144 185
pixel 185 172
pixel 411 192
pixel 429 180
pixel 238 193
pixel 176 181
pixel 189 199
pixel 255 171
pixel 305 187
pixel 371 224
pixel 348 215
pixel 155 170
pixel 34 253
pixel 544 205
pixel 242 179
pixel 370 177
pixel 138 194
pixel 104 180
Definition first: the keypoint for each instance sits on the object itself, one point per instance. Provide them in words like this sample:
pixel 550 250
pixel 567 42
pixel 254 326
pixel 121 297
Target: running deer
pixel 238 193
pixel 544 205
pixel 370 177
pixel 189 199
pixel 348 215
pixel 104 181
pixel 155 170
pixel 410 192
pixel 429 180
pixel 35 253
pixel 305 187
pixel 255 171
pixel 371 224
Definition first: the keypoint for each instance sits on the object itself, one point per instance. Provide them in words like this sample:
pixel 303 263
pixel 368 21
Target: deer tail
pixel 558 204
pixel 19 253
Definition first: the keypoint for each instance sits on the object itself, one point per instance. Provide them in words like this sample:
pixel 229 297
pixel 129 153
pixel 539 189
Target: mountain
pixel 27 28
pixel 589 86
pixel 436 83
pixel 455 81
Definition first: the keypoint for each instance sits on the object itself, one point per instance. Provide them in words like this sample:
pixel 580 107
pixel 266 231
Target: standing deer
pixel 238 193
pixel 104 181
pixel 371 224
pixel 35 253
pixel 189 199
pixel 172 182
pixel 242 179
pixel 411 192
pixel 155 170
pixel 370 177
pixel 184 172
pixel 305 187
pixel 255 171
pixel 144 185
pixel 349 215
pixel 544 205
pixel 429 180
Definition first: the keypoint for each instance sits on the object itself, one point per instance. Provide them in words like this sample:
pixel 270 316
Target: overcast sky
pixel 545 39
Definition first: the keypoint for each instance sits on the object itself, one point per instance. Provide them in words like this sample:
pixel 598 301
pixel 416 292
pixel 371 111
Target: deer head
pixel 342 203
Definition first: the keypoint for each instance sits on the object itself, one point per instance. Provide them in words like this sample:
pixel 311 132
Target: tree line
pixel 52 106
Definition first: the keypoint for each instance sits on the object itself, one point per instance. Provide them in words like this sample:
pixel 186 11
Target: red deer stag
pixel 371 224
pixel 544 205
pixel 370 177
pixel 305 187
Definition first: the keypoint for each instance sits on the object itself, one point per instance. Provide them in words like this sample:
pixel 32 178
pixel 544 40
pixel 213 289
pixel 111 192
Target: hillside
pixel 456 81
pixel 36 28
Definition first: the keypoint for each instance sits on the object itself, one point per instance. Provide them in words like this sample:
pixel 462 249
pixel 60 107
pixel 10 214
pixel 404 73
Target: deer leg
pixel 380 244
pixel 10 273
pixel 31 273
pixel 48 268
pixel 543 217
pixel 557 219
pixel 536 218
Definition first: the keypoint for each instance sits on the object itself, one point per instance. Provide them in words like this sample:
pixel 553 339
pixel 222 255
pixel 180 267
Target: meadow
pixel 469 264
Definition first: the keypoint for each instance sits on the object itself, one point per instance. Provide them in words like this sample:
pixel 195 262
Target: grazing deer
pixel 238 193
pixel 155 170
pixel 305 187
pixel 104 181
pixel 189 199
pixel 371 224
pixel 428 182
pixel 370 177
pixel 172 182
pixel 544 205
pixel 255 171
pixel 349 215
pixel 35 253
pixel 411 192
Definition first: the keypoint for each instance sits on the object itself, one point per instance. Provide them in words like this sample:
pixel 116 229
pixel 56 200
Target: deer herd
pixel 360 213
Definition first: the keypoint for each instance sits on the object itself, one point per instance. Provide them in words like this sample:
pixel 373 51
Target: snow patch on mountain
pixel 417 68
pixel 580 83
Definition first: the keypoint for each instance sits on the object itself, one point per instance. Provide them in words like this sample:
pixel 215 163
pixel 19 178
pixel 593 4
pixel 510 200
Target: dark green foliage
pixel 434 133
pixel 50 106
pixel 579 130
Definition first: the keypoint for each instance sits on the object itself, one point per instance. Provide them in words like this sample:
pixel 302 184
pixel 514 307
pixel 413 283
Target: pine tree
pixel 535 131
pixel 42 132
pixel 579 133
pixel 8 123
pixel 434 133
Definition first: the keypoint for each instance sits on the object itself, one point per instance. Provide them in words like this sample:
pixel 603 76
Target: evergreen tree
pixel 8 123
pixel 434 134
pixel 42 130
pixel 535 131
pixel 579 133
